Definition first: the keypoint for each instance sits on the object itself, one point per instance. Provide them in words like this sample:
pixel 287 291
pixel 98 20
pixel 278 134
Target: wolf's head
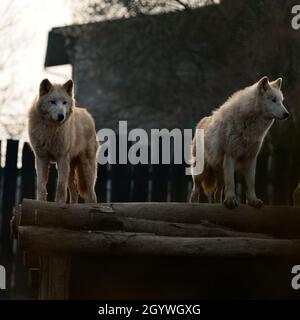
pixel 271 98
pixel 56 101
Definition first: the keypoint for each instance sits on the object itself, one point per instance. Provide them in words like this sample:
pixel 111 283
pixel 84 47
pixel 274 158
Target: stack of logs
pixel 48 232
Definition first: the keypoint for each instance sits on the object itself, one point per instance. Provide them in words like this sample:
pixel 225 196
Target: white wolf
pixel 234 134
pixel 63 133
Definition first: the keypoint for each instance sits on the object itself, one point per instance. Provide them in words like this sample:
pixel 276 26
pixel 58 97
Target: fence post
pixel 28 173
pixel 8 202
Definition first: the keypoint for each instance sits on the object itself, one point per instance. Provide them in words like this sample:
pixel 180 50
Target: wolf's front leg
pixel 63 168
pixel 228 166
pixel 249 169
pixel 42 169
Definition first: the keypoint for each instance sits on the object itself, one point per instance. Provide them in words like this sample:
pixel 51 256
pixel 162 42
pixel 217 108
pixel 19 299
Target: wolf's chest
pixel 248 139
pixel 48 146
pixel 254 131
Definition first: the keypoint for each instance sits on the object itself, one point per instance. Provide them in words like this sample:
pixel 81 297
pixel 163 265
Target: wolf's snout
pixel 60 117
pixel 285 115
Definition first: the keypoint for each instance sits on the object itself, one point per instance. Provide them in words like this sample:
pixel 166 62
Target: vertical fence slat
pixel 280 177
pixel 8 198
pixel 8 202
pixel 160 177
pixel 120 179
pixel 101 183
pixel 179 183
pixel 140 178
pixel 28 173
pixel 120 182
pixel 262 177
pixel 22 290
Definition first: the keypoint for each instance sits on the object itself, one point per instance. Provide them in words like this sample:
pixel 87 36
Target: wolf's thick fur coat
pixel 65 134
pixel 233 135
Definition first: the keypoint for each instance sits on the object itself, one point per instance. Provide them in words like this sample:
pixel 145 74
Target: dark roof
pixel 57 50
pixel 56 53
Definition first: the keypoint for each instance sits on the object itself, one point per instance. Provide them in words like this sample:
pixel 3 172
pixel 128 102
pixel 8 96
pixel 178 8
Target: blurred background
pixel 157 64
pixel 24 30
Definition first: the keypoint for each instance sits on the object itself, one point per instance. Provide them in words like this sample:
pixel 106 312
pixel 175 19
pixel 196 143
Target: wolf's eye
pixel 274 100
pixel 52 102
pixel 65 102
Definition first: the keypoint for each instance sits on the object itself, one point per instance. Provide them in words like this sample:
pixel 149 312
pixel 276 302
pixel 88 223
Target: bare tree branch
pixel 95 10
pixel 184 5
pixel 13 41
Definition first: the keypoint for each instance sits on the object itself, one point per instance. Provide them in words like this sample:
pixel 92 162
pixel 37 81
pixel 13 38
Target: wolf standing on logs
pixel 233 135
pixel 62 133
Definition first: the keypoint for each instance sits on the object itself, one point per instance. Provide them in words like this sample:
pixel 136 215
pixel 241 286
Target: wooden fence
pixel 277 175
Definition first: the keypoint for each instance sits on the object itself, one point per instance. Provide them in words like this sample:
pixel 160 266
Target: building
pixel 169 70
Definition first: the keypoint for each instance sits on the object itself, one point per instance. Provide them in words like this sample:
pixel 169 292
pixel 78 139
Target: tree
pixel 13 41
pixel 97 10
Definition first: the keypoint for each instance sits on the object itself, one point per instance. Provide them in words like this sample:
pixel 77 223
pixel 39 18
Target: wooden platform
pixel 158 250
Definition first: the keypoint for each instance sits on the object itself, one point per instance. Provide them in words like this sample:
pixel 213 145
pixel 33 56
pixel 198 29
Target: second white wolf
pixel 233 135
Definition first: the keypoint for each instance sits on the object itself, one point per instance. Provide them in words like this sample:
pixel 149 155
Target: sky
pixel 42 16
pixel 25 42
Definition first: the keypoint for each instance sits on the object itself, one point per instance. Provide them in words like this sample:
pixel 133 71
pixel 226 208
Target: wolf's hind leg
pixel 219 191
pixel 218 194
pixel 86 178
pixel 195 195
pixel 72 187
pixel 91 177
pixel 92 197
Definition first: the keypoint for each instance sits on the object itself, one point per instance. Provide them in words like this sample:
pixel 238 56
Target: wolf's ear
pixel 45 87
pixel 277 83
pixel 68 86
pixel 263 84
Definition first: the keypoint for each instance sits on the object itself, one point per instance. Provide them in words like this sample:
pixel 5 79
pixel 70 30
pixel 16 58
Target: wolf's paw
pixel 256 203
pixel 230 203
pixel 60 200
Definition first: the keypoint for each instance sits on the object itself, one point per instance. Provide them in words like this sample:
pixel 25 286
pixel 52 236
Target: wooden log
pixel 55 277
pixel 280 221
pixel 121 243
pixel 31 260
pixel 34 278
pixel 110 221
